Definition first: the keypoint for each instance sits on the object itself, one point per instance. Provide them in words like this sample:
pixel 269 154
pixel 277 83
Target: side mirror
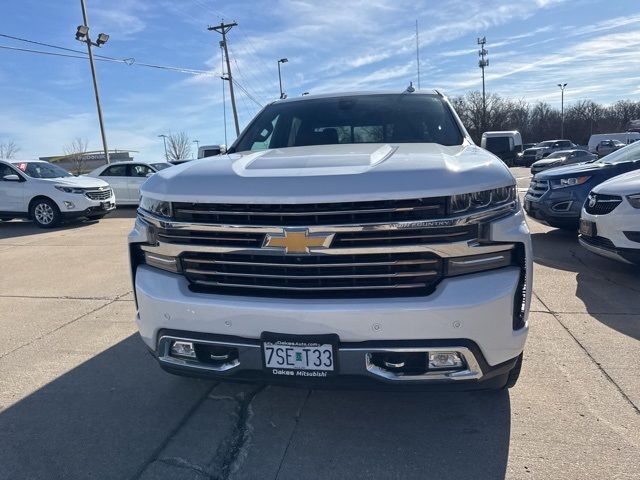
pixel 11 178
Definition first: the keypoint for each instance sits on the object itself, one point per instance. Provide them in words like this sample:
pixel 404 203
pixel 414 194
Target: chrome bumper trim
pixel 351 361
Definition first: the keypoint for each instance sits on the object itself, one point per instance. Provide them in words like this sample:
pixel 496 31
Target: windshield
pixel 545 144
pixel 392 118
pixel 626 154
pixel 558 155
pixel 160 166
pixel 42 170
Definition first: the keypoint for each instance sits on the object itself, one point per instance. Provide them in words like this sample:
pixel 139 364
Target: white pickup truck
pixel 351 240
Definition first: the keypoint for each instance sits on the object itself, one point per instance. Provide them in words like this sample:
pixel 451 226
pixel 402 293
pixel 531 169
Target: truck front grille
pixel 313 275
pixel 383 211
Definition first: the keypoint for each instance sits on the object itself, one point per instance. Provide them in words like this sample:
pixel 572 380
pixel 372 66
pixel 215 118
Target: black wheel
pixel 45 213
pixel 514 374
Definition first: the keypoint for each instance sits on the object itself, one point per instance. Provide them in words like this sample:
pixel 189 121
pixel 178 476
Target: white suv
pixel 47 194
pixel 610 219
pixel 355 239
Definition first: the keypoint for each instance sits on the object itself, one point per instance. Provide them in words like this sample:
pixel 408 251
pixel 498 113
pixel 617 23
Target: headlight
pixel 634 200
pixel 519 154
pixel 569 182
pixel 468 202
pixel 64 189
pixel 157 207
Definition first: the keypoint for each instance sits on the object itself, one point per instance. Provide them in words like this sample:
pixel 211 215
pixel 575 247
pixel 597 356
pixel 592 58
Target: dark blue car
pixel 555 196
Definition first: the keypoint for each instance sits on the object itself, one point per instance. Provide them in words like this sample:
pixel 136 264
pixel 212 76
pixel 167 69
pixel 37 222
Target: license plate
pixel 587 228
pixel 299 356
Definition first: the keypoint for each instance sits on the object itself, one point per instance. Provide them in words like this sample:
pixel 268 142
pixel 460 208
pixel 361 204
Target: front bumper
pixel 612 238
pixel 78 205
pixel 356 370
pixel 557 208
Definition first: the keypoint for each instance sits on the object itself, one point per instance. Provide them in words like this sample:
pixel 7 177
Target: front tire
pixel 45 213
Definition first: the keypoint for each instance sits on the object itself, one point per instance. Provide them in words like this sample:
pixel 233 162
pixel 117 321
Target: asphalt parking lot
pixel 81 398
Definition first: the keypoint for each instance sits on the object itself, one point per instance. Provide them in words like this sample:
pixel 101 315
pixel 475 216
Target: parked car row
pixel 48 194
pixel 601 198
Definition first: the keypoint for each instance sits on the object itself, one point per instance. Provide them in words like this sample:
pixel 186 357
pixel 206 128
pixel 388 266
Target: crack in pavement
pixel 584 349
pixel 156 453
pixel 59 327
pixel 232 451
pixel 293 431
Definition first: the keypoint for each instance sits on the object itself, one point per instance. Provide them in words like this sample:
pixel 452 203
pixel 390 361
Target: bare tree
pixel 178 146
pixel 8 149
pixel 75 151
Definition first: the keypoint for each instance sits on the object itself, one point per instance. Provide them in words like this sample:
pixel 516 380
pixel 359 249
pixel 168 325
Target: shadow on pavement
pixel 606 287
pixel 401 435
pixel 103 419
pixel 24 228
pixel 110 416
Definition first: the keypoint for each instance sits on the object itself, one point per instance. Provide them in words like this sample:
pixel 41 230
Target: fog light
pixel 441 360
pixel 183 349
pixel 69 205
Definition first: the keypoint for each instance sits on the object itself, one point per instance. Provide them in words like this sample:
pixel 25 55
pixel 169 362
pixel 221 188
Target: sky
pixel 332 45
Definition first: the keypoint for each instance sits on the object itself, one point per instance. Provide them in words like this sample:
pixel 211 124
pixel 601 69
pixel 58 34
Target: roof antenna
pixel 410 88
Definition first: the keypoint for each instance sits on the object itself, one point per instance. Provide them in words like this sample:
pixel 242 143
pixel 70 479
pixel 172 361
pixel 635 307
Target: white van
pixel 504 144
pixel 624 137
pixel 211 150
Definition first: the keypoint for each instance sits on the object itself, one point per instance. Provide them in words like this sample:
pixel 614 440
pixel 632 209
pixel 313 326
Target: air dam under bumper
pixel 477 308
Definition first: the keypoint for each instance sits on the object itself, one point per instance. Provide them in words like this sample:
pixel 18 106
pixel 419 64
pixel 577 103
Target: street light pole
pixel 483 63
pixel 562 87
pixel 164 140
pixel 83 35
pixel 282 60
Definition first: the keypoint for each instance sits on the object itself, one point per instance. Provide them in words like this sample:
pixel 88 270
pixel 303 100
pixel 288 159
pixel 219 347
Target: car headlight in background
pixel 634 200
pixel 157 207
pixel 468 202
pixel 65 189
pixel 569 182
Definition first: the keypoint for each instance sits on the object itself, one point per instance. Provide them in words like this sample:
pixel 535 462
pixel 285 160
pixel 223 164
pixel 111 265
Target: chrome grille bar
pixel 423 273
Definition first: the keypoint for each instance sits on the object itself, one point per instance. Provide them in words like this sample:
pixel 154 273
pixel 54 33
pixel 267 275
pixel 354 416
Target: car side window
pixel 6 170
pixel 141 170
pixel 115 171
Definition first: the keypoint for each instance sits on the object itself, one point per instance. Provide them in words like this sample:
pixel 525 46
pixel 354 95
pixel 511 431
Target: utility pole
pixel 224 97
pixel 222 29
pixel 418 53
pixel 82 35
pixel 482 63
pixel 562 87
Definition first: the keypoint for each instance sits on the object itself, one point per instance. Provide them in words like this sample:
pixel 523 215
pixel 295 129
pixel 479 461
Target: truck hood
pixel 332 173
pixel 625 184
pixel 79 182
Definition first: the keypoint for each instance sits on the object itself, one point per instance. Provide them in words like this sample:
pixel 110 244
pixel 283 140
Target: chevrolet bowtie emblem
pixel 297 240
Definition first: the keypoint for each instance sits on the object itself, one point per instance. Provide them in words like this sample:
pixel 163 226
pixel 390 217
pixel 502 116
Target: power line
pixel 102 58
pixel 235 82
